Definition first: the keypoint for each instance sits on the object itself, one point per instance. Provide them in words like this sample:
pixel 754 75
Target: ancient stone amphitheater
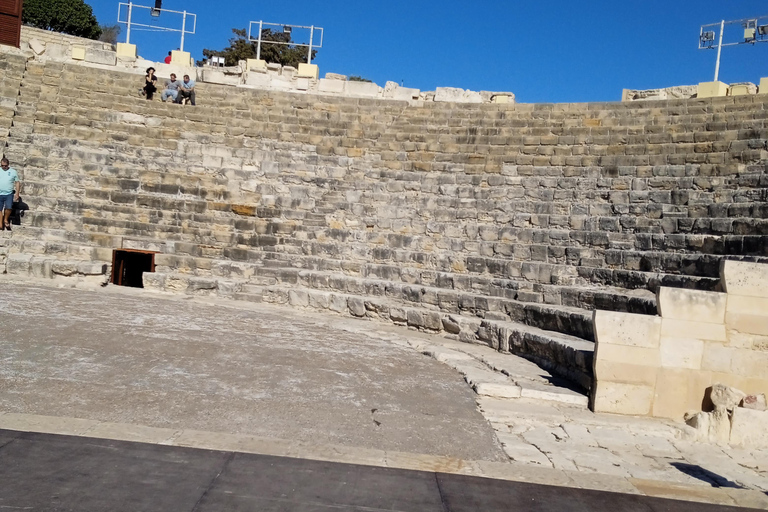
pixel 502 224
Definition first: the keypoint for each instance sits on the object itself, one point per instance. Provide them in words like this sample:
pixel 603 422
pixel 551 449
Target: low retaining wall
pixel 661 366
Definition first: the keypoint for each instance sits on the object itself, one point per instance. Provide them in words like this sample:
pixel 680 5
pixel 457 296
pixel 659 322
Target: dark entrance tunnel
pixel 129 265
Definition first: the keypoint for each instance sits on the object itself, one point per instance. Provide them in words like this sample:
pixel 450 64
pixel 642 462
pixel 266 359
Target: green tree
pixel 358 78
pixel 73 17
pixel 109 33
pixel 241 49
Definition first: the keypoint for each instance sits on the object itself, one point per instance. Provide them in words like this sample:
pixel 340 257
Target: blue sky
pixel 545 51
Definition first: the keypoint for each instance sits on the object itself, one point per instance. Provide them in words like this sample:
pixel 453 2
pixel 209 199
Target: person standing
pixel 187 90
pixel 9 191
pixel 169 58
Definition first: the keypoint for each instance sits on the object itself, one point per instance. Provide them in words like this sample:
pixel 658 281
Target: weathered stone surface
pixel 725 397
pixel 363 89
pixel 745 278
pixel 96 56
pixel 749 428
pixel 626 329
pixel 692 305
pixel 682 91
pixel 756 402
pixel 36 46
pixel 456 95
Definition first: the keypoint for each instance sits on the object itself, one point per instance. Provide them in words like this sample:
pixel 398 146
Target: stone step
pixel 564 355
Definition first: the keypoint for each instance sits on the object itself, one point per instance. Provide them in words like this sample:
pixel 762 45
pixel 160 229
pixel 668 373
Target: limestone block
pixel 720 427
pixel 363 89
pixel 37 46
pixel 393 91
pixel 700 421
pixel 335 76
pixel 302 84
pixel 750 363
pixel 497 390
pixel 298 298
pixel 308 71
pixel 338 303
pixel 356 306
pixel 502 99
pixel 748 324
pixel 41 267
pixel 18 264
pixel 91 268
pixel 180 58
pixel 176 283
pixel 681 353
pixel 126 50
pixel 288 72
pixel 274 68
pixel 257 79
pixel 78 52
pixel 717 357
pixel 725 397
pixel 742 89
pixel 756 402
pixel 745 278
pixel 626 329
pixel 96 56
pixel 763 89
pixel 671 328
pixel 679 391
pixel 712 89
pixel 257 65
pixel 620 398
pixel 332 86
pixel 224 76
pixel 153 281
pixel 749 428
pixel 625 372
pixel 456 95
pixel 693 305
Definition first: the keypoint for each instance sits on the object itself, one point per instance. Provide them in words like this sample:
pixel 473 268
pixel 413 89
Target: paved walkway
pixel 46 472
pixel 122 364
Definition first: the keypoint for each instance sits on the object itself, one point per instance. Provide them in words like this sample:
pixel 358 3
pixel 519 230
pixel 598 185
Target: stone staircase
pixel 505 225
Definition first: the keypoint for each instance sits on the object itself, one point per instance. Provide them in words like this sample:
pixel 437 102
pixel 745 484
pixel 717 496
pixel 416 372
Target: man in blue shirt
pixel 9 191
pixel 187 90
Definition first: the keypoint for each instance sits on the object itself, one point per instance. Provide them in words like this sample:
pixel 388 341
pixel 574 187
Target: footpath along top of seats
pixel 39 45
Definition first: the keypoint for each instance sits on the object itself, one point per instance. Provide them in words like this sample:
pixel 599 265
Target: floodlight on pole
pixel 287 29
pixel 155 12
pixel 753 32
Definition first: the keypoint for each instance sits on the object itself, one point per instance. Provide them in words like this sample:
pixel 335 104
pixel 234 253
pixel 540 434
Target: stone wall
pixel 46 36
pixel 662 365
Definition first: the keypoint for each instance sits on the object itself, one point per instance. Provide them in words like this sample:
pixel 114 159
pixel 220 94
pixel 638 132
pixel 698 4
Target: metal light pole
pixel 719 50
pixel 755 31
pixel 184 29
pixel 258 46
pixel 128 32
pixel 311 35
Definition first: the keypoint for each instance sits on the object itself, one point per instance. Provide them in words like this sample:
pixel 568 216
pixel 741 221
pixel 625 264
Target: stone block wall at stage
pixel 502 224
pixel 662 365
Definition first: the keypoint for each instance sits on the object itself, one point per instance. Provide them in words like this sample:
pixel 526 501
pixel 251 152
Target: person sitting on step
pixel 187 90
pixel 150 83
pixel 172 87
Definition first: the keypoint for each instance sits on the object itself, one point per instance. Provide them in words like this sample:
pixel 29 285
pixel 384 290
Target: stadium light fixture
pixel 752 27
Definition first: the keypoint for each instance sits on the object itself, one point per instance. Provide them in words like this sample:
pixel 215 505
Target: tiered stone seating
pixel 11 73
pixel 503 224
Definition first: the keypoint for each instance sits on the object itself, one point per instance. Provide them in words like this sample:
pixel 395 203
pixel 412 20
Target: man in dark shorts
pixel 9 190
